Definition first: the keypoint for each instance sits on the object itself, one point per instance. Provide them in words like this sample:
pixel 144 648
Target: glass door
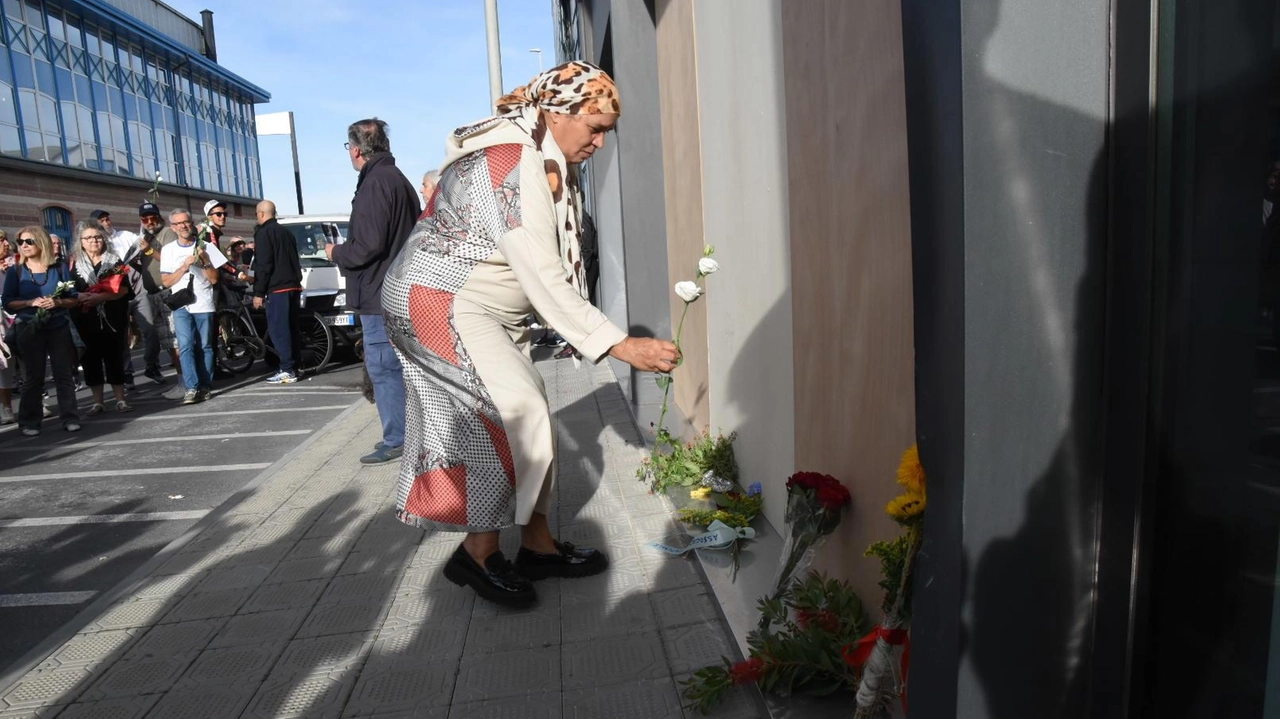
pixel 1210 644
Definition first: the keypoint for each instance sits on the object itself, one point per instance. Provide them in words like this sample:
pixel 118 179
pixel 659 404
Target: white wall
pixel 745 215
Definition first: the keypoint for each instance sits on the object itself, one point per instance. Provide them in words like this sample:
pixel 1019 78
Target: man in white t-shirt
pixel 192 324
pixel 121 240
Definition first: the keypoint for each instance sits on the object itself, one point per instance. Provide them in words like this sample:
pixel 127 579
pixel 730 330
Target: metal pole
pixel 297 171
pixel 495 50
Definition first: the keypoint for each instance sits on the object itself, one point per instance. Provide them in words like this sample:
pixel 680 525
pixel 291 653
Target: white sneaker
pixel 282 378
pixel 6 415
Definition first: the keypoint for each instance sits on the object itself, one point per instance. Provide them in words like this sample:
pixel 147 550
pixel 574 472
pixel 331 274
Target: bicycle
pixel 241 334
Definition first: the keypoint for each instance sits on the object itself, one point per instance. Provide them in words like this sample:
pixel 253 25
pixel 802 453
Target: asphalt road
pixel 63 540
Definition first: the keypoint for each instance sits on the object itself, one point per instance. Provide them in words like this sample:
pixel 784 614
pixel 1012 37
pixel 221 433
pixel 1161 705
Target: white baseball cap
pixel 208 206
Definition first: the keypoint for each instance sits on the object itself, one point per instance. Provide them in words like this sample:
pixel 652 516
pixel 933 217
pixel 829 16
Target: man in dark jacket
pixel 383 213
pixel 277 283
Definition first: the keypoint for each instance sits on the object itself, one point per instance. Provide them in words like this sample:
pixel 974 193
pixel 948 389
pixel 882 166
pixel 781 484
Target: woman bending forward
pixel 500 240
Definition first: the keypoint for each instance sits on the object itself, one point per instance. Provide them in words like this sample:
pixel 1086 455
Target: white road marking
pixel 282 393
pixel 222 413
pixel 103 518
pixel 126 472
pixel 45 599
pixel 151 440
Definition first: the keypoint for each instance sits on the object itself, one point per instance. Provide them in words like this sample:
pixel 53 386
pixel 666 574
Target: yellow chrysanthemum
pixel 906 507
pixel 911 472
pixel 700 493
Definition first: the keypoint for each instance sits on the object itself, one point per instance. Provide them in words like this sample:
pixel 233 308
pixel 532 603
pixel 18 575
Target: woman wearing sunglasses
pixel 40 292
pixel 103 321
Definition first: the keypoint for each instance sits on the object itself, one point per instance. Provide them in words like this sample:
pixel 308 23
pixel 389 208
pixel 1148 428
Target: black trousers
pixel 54 345
pixel 283 309
pixel 103 357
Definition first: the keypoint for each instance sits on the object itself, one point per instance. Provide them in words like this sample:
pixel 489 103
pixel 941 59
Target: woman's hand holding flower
pixel 647 354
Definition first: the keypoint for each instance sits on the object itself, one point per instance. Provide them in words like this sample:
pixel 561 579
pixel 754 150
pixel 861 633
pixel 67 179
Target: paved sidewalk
pixel 308 599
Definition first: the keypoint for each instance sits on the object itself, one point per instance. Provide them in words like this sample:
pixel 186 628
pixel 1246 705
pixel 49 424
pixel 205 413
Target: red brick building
pixel 99 97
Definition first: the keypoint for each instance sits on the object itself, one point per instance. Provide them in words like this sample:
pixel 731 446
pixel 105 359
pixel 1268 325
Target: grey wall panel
pixel 168 21
pixel 633 39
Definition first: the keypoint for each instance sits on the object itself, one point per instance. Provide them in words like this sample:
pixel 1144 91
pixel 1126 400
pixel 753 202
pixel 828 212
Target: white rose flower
pixel 688 291
pixel 706 266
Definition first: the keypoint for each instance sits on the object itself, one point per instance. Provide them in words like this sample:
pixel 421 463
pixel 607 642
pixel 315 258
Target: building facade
pixel 1039 239
pixel 98 98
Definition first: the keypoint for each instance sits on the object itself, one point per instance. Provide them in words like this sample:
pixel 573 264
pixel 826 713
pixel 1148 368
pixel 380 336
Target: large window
pixel 75 93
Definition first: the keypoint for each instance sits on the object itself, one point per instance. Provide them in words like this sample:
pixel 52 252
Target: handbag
pixel 177 299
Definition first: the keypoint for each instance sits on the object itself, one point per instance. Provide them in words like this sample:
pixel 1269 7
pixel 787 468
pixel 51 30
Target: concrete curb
pixel 58 638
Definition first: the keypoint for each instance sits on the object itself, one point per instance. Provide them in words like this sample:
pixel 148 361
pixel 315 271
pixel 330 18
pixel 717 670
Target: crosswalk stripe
pixel 126 472
pixel 103 518
pixel 44 599
pixel 169 417
pixel 29 449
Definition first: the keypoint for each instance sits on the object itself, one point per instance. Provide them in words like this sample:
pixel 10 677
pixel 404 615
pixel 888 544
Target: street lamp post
pixel 538 51
pixel 495 52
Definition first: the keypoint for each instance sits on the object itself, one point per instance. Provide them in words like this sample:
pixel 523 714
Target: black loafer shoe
pixel 496 581
pixel 569 561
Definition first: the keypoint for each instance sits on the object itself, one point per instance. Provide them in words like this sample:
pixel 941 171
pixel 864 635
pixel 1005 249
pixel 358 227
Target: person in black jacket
pixel 277 283
pixel 383 214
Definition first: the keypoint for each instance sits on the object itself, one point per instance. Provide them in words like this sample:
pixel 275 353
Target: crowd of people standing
pixel 75 311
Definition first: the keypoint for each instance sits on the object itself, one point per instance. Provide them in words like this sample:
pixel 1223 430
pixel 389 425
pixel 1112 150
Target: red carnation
pixel 748 671
pixel 832 496
pixel 807 480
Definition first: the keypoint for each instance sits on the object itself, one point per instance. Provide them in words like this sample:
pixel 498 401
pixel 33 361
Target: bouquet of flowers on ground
pixel 729 507
pixel 882 681
pixel 808 625
pixel 685 464
pixel 815 504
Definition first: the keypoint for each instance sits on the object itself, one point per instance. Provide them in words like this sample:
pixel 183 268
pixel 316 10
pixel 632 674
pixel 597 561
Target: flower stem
pixel 666 391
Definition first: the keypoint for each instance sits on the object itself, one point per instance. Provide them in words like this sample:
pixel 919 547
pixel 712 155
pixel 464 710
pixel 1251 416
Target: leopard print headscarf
pixel 574 88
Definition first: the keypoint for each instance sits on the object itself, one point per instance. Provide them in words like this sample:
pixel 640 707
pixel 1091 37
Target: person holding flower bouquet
pixel 40 292
pixel 185 269
pixel 103 319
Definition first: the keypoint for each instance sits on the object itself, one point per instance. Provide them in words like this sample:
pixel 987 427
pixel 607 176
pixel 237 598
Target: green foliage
pixel 707 687
pixel 677 464
pixel 893 556
pixel 799 649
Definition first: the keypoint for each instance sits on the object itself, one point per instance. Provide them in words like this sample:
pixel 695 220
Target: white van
pixel 323 287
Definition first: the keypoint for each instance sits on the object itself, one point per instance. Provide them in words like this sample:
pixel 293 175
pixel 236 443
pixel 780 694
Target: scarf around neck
pixel 574 88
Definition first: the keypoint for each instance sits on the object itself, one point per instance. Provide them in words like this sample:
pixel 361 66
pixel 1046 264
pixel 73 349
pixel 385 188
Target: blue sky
pixel 418 64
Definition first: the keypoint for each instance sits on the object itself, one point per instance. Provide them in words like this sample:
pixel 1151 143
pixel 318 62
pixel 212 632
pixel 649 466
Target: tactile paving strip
pixel 620 660
pixel 505 674
pixel 649 699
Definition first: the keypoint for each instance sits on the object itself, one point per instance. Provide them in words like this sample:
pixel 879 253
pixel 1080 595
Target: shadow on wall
pixel 1029 633
pixel 1032 639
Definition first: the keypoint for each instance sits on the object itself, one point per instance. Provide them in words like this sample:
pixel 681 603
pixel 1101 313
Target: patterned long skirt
pixel 479 442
